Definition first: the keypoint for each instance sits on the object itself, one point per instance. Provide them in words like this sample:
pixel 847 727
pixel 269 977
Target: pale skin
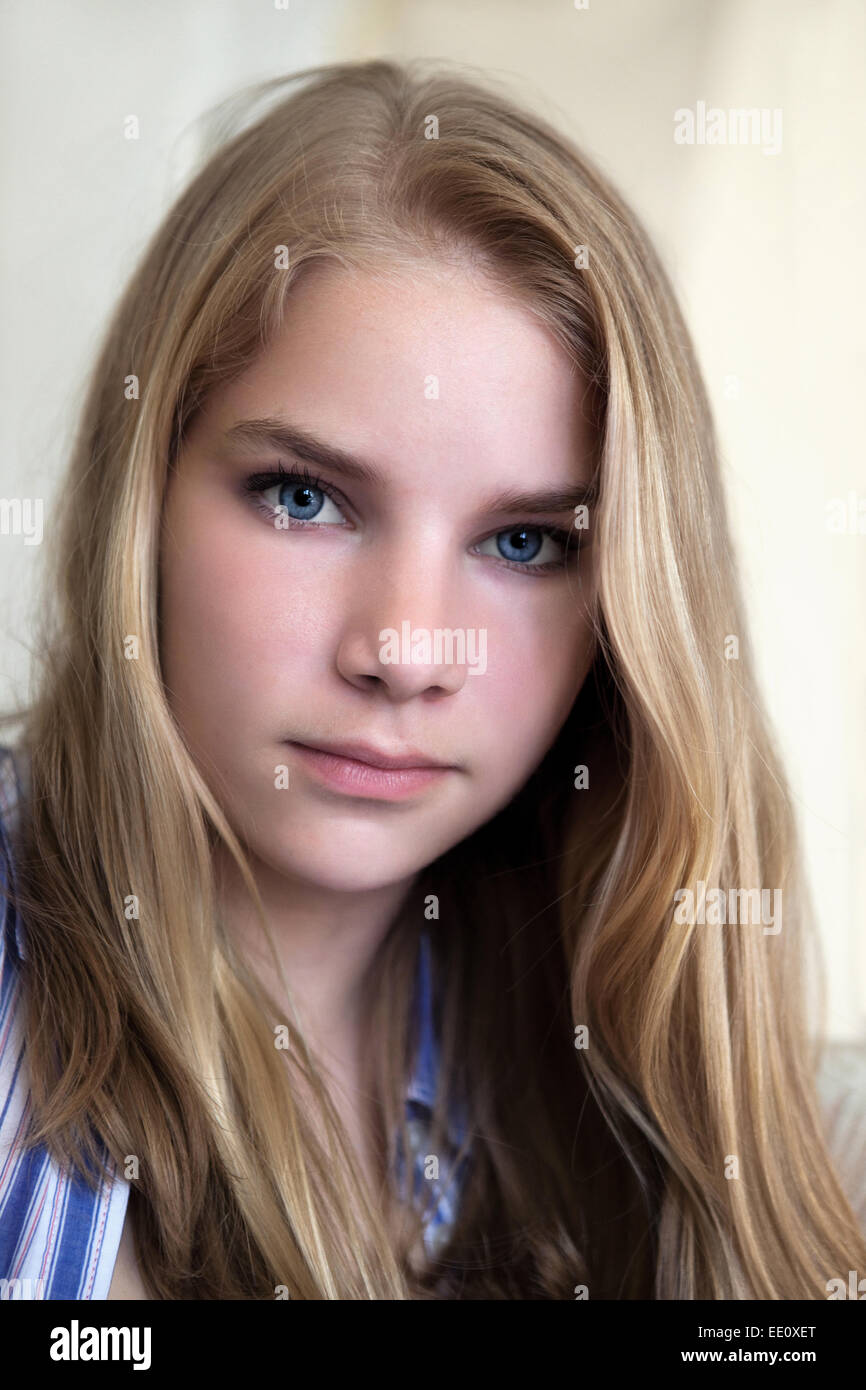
pixel 271 633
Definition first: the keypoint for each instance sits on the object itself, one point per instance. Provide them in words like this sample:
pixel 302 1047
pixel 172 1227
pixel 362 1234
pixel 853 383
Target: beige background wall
pixel 764 249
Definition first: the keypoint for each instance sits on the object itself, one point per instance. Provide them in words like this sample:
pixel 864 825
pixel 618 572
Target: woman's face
pixel 441 397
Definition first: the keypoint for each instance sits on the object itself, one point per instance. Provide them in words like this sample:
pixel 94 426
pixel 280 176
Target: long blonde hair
pixel 604 1166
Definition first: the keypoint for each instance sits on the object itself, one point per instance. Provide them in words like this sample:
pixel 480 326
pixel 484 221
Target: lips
pixel 364 771
pixel 376 757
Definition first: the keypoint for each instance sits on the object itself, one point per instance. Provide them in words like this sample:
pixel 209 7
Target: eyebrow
pixel 288 438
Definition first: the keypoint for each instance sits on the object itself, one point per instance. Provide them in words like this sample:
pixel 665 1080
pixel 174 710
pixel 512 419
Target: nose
pixel 397 637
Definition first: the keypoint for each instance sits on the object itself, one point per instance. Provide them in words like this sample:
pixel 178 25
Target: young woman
pixel 398 695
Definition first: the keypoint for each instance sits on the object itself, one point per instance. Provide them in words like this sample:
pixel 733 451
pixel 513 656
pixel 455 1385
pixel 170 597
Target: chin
pixel 338 861
pixel 333 876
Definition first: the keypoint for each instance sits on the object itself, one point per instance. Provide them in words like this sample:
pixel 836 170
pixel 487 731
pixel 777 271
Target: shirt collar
pixel 422 1081
pixel 424 1076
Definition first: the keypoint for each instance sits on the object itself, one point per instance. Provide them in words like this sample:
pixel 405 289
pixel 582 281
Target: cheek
pixel 544 657
pixel 527 693
pixel 230 640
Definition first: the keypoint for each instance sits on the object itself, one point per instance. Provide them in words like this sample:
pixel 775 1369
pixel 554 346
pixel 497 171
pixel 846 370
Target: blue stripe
pixel 79 1221
pixel 12 1089
pixel 28 1170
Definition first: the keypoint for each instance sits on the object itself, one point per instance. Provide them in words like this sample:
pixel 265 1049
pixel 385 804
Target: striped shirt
pixel 58 1238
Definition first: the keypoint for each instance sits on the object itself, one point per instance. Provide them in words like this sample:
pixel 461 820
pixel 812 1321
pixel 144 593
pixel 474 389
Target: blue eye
pixel 520 545
pixel 306 499
pixel 298 497
pixel 302 502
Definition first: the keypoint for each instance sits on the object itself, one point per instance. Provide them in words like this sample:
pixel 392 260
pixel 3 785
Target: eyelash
pixel 258 483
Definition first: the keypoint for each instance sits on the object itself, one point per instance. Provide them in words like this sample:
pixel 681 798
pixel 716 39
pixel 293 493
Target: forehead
pixel 434 362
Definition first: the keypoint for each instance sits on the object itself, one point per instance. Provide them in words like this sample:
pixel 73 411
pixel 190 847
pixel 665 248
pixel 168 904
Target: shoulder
pixel 58 1238
pixel 10 987
pixel 12 783
pixel 841 1080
